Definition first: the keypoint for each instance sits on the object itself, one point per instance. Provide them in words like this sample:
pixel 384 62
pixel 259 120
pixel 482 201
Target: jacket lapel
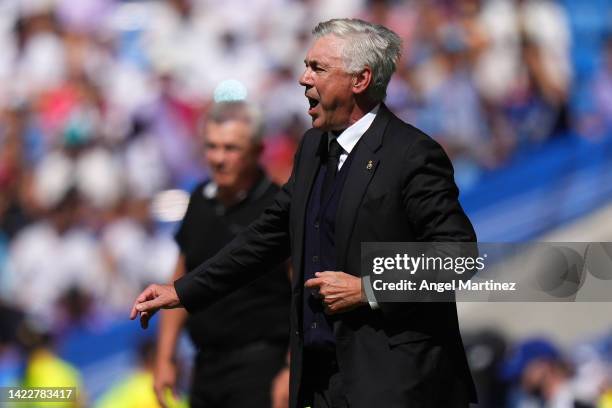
pixel 363 166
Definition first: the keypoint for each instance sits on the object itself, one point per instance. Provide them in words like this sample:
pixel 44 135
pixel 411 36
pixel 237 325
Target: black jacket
pixel 400 187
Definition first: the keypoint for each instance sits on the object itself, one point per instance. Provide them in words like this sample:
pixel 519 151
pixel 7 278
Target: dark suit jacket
pixel 402 355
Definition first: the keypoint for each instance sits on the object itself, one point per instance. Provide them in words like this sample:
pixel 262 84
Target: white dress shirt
pixel 351 135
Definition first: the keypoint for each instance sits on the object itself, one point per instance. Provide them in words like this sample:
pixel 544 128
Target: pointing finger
pixel 136 308
pixel 325 274
pixel 133 312
pixel 314 282
pixel 144 296
pixel 150 306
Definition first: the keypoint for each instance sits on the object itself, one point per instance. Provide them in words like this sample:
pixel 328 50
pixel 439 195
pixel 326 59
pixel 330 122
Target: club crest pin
pixel 370 165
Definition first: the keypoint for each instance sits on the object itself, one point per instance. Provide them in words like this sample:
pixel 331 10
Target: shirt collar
pixel 351 135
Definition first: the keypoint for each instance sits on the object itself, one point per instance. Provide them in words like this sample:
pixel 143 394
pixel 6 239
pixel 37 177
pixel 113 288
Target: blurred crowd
pixel 536 372
pixel 101 100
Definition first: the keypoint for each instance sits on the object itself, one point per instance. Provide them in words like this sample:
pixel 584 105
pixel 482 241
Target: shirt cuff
pixel 367 288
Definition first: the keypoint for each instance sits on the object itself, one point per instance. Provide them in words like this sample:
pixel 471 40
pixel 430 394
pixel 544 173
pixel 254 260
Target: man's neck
pixel 229 196
pixel 361 108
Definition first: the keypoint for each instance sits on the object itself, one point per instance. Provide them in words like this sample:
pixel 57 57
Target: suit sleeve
pixel 262 245
pixel 431 198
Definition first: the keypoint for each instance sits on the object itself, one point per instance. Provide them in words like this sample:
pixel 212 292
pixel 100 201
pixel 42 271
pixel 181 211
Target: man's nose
pixel 306 79
pixel 216 158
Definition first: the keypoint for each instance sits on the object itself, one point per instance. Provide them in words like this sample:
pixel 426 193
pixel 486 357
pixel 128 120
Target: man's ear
pixel 362 80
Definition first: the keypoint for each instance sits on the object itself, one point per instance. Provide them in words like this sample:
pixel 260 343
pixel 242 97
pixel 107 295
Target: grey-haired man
pixel 360 175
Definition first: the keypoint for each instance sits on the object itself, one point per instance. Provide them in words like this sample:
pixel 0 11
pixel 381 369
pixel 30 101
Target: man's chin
pixel 224 182
pixel 318 123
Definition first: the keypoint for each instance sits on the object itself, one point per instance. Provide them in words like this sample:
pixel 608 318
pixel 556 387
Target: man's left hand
pixel 339 291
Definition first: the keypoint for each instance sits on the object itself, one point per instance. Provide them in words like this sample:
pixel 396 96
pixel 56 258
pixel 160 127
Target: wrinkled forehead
pixel 233 130
pixel 326 50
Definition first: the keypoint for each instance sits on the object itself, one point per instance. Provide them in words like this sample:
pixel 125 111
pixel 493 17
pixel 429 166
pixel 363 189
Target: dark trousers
pixel 322 385
pixel 237 378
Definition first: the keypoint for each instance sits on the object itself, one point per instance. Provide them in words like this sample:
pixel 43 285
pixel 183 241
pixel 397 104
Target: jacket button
pixel 315 259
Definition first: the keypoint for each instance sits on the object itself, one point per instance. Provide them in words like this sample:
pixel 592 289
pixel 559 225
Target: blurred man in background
pixel 241 341
pixel 137 390
pixel 545 377
pixel 46 368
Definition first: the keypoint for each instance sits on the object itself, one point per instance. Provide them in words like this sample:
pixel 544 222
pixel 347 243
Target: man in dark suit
pixel 360 175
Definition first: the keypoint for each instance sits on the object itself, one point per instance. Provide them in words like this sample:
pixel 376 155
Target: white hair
pixel 243 111
pixel 366 44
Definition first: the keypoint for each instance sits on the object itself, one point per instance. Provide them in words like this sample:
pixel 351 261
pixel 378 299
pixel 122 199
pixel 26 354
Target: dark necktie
pixel 333 155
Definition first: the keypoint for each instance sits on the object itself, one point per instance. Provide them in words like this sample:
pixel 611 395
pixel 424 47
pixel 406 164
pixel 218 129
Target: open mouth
pixel 312 102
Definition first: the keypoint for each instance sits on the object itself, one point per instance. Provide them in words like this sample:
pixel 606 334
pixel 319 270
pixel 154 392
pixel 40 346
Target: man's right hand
pixel 152 299
pixel 164 378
